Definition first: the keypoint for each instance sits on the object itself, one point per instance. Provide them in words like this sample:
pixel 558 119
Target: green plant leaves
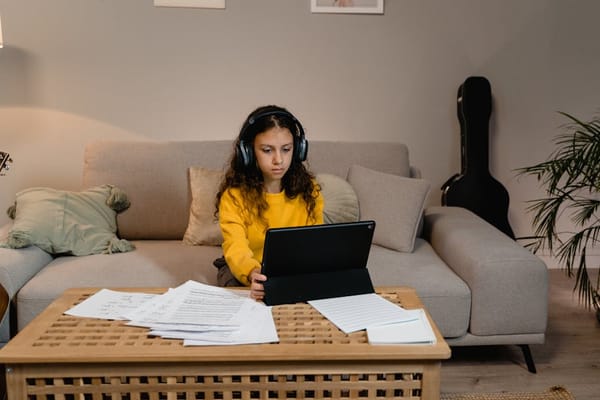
pixel 571 179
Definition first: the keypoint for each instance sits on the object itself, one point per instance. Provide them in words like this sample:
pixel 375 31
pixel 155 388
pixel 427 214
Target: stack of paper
pixel 197 313
pixel 385 322
pixel 207 315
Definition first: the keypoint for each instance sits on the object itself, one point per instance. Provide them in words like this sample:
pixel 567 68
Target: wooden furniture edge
pixel 17 350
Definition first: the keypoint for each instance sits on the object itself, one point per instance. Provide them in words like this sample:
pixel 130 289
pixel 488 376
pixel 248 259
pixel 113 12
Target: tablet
pixel 317 261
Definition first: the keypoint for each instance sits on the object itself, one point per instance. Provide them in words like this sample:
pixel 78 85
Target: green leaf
pixel 571 179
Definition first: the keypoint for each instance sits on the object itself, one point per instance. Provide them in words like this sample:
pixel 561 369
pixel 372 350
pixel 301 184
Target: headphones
pixel 245 151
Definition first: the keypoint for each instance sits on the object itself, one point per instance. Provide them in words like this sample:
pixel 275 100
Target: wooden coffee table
pixel 58 356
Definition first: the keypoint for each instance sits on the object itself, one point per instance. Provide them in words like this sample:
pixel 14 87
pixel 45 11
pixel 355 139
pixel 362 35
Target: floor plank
pixel 570 357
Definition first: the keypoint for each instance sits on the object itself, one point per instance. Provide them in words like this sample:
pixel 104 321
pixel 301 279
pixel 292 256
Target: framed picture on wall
pixel 347 6
pixel 190 3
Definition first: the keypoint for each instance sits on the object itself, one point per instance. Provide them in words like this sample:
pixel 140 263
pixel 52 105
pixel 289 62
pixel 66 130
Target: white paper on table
pixel 109 304
pixel 208 335
pixel 353 313
pixel 157 326
pixel 260 329
pixel 208 314
pixel 253 329
pixel 417 331
pixel 196 304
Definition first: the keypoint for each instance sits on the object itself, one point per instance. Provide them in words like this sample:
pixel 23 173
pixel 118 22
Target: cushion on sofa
pixel 154 175
pixel 445 295
pixel 340 204
pixel 338 157
pixel 154 263
pixel 394 202
pixel 340 201
pixel 64 222
pixel 203 226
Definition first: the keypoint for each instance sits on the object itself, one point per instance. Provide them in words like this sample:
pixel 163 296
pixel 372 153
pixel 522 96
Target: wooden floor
pixel 570 357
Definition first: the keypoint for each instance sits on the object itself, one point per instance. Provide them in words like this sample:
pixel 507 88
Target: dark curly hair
pixel 297 181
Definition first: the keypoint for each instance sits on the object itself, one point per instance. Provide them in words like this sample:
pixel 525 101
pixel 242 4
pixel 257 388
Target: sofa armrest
pixel 509 284
pixel 17 266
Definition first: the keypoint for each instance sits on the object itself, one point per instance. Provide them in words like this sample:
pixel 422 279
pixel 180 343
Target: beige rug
pixel 554 393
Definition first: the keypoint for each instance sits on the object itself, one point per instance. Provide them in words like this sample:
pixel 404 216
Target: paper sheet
pixel 109 304
pixel 194 303
pixel 353 313
pixel 417 331
pixel 198 313
pixel 260 329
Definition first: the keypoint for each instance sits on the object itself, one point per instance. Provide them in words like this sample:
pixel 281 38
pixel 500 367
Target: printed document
pixel 194 303
pixel 197 313
pixel 109 304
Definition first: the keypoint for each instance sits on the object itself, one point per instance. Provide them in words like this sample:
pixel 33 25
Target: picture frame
pixel 191 3
pixel 347 6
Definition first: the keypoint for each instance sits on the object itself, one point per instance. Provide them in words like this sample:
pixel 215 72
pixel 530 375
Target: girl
pixel 266 186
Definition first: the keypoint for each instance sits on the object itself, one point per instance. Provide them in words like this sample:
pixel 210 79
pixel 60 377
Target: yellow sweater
pixel 243 240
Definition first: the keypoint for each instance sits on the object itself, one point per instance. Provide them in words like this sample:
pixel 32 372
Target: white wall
pixel 73 71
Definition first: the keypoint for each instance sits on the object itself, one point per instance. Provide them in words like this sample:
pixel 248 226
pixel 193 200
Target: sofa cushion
pixel 394 202
pixel 340 201
pixel 154 176
pixel 203 226
pixel 154 263
pixel 78 223
pixel 338 157
pixel 445 295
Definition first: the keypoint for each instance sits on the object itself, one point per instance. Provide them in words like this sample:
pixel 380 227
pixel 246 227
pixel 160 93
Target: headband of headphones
pixel 246 152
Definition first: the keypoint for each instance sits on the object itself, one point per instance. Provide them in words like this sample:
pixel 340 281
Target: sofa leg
pixel 528 358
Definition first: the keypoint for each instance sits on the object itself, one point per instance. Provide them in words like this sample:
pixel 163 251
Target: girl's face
pixel 274 149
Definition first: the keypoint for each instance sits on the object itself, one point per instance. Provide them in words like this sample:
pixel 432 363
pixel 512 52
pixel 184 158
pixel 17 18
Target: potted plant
pixel 571 180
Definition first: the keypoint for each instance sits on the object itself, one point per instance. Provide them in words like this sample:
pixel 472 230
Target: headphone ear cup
pixel 245 154
pixel 301 149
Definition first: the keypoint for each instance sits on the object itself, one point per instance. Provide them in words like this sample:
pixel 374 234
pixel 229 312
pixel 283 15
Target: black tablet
pixel 317 261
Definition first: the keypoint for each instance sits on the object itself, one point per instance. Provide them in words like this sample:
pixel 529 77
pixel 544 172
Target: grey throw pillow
pixel 394 202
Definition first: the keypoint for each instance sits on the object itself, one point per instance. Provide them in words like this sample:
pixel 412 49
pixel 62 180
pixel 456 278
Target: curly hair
pixel 297 181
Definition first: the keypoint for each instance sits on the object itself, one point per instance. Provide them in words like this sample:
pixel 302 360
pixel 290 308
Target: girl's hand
pixel 257 289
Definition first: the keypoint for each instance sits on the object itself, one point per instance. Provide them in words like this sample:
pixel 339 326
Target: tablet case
pixel 317 262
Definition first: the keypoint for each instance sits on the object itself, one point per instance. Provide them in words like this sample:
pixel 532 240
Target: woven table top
pixel 303 332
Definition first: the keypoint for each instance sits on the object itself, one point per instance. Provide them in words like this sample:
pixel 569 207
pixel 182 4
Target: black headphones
pixel 245 151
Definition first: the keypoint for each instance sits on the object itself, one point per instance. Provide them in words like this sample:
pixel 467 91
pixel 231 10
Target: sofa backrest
pixel 154 175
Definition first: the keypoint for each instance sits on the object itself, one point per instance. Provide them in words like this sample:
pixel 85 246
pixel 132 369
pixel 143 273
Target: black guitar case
pixel 475 188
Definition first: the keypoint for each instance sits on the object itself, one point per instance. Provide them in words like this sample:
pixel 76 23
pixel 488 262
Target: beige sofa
pixel 481 287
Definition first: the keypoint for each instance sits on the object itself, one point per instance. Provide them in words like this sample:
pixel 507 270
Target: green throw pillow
pixel 63 222
pixel 340 201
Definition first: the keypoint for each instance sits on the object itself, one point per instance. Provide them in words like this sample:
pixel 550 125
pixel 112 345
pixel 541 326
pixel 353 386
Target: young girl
pixel 266 186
